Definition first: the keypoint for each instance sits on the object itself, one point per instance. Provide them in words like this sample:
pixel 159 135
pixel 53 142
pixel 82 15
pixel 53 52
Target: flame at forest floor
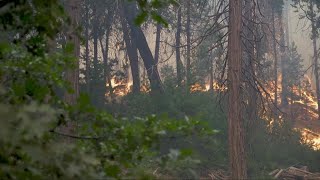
pixel 217 87
pixel 311 137
pixel 301 108
pixel 121 88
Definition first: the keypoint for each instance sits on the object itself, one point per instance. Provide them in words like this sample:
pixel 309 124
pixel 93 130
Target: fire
pixel 270 88
pixel 317 142
pixel 119 87
pixel 311 137
pixel 304 98
pixel 217 87
pixel 309 99
pixel 197 88
pixel 302 108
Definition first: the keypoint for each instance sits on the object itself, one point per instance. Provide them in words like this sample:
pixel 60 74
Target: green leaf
pixel 141 18
pixel 112 170
pixel 186 152
pixel 155 16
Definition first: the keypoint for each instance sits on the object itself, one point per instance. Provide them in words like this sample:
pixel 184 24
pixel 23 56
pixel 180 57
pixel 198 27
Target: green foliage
pixel 279 146
pixel 207 59
pixel 29 70
pixel 29 77
pixel 34 21
pixel 124 144
pixel 36 145
pixel 35 123
pixel 29 151
pixel 268 147
pixel 170 78
pixel 208 152
pixel 150 9
pixel 294 67
pixel 107 147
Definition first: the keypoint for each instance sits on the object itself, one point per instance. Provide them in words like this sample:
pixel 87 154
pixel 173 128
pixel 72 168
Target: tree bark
pixel 105 52
pixel 177 48
pixel 249 64
pixel 72 76
pixel 275 76
pixel 211 73
pixel 132 53
pixel 235 121
pixel 188 64
pixel 140 40
pixel 284 57
pixel 157 47
pixel 87 51
pixel 315 55
pixel 250 69
pixel 95 78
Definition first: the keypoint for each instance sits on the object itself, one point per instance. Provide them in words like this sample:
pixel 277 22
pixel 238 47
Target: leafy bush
pixel 268 148
pixel 29 151
pixel 211 151
pixel 279 147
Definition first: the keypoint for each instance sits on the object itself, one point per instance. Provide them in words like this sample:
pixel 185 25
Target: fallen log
pixel 294 173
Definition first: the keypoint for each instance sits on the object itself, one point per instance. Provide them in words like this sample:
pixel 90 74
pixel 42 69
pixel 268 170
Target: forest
pixel 159 89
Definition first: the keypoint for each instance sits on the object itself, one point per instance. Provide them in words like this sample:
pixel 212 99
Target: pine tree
pixel 309 9
pixel 235 121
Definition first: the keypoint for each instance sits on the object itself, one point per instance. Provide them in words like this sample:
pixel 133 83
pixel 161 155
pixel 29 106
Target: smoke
pixel 299 32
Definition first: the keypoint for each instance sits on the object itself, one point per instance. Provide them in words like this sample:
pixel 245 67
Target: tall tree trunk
pixel 107 68
pixel 106 72
pixel 287 20
pixel 284 58
pixel 157 47
pixel 132 53
pixel 188 64
pixel 275 76
pixel 178 44
pixel 105 52
pixel 284 43
pixel 315 55
pixel 250 73
pixel 287 51
pixel 235 121
pixel 140 40
pixel 87 51
pixel 211 73
pixel 72 76
pixel 249 64
pixel 95 80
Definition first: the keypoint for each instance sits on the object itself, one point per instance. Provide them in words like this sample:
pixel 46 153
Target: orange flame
pixel 311 137
pixel 306 101
pixel 217 87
